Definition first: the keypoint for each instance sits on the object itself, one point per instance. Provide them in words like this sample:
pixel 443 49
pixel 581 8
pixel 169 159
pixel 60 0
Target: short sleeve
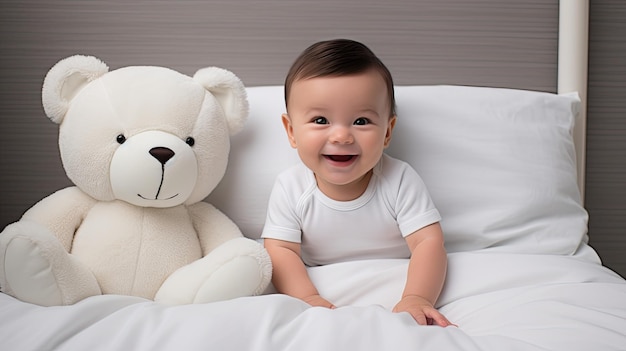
pixel 414 207
pixel 282 221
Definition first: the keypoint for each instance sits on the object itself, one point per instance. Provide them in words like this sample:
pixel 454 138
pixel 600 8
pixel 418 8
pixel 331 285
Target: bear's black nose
pixel 162 154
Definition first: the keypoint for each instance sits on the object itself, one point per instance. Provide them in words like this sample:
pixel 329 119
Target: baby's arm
pixel 290 276
pixel 426 275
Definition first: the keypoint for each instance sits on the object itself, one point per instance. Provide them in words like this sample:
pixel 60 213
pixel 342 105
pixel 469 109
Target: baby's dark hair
pixel 338 57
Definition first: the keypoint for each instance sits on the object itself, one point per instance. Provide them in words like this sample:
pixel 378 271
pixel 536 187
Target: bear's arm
pixel 213 227
pixel 62 212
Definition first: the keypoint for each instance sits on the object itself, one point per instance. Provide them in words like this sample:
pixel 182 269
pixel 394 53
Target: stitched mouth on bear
pixel 156 198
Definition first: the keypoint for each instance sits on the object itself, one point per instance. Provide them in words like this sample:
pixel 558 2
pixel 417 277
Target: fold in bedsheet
pixel 499 301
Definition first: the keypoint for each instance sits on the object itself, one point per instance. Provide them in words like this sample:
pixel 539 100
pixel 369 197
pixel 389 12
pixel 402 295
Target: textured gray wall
pixel 606 132
pixel 500 43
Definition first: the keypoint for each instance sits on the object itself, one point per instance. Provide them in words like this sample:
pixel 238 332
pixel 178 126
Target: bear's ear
pixel 65 79
pixel 229 92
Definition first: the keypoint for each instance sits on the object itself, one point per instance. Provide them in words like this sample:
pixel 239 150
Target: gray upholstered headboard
pixel 480 42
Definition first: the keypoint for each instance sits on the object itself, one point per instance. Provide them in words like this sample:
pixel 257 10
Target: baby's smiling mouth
pixel 340 158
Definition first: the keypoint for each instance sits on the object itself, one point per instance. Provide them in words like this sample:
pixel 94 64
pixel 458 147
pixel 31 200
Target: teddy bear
pixel 143 146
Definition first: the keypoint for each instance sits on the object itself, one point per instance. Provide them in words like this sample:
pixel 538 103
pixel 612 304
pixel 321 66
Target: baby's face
pixel 340 127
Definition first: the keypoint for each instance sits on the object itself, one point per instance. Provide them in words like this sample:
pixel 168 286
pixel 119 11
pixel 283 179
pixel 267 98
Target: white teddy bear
pixel 144 146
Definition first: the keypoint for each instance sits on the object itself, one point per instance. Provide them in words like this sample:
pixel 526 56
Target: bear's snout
pixel 138 179
pixel 163 154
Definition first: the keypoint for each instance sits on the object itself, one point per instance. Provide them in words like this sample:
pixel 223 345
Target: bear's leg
pixel 239 267
pixel 35 268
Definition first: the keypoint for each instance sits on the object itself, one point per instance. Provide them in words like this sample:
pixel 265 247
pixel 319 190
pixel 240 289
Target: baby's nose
pixel 341 135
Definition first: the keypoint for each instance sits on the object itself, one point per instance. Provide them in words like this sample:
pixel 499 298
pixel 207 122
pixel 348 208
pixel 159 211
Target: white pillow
pixel 499 164
pixel 258 153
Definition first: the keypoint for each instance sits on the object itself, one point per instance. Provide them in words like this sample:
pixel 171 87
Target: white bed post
pixel 572 70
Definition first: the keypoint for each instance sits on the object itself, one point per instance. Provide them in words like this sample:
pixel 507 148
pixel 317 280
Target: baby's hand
pixel 422 311
pixel 317 300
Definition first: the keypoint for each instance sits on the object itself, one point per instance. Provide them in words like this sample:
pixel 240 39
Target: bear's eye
pixel 120 139
pixel 190 141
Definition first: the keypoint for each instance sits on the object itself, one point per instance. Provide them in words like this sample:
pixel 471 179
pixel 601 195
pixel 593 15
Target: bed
pixel 504 167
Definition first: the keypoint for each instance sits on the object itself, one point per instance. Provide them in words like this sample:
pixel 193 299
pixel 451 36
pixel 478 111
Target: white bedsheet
pixel 499 301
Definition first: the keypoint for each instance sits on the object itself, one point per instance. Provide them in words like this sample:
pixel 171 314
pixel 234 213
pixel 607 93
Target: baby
pixel 348 200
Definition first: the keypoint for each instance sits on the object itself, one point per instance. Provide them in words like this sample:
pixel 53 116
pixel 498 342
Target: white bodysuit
pixel 394 205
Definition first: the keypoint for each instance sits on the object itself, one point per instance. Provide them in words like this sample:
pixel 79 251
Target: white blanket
pixel 499 301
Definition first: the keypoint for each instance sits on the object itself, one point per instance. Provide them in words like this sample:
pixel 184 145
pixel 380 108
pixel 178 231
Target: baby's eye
pixel 320 120
pixel 361 121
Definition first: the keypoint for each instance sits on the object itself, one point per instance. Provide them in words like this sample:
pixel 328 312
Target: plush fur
pixel 143 146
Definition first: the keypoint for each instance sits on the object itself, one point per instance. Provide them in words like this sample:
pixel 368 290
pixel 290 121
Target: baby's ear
pixel 229 92
pixel 65 79
pixel 289 129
